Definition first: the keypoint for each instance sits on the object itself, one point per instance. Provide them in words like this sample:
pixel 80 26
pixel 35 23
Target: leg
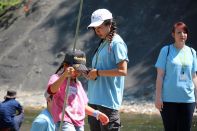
pixel 169 115
pixel 18 121
pixel 114 119
pixel 186 115
pixel 94 124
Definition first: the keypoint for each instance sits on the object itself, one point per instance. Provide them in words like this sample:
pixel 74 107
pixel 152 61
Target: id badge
pixel 183 77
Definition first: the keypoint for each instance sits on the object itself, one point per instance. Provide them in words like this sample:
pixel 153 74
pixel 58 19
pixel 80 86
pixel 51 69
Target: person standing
pixel 176 81
pixel 72 67
pixel 44 121
pixel 11 113
pixel 109 68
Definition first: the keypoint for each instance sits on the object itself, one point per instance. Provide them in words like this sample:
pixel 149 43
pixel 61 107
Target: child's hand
pixel 69 71
pixel 103 118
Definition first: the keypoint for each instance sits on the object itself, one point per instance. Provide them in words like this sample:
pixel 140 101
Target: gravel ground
pixel 37 101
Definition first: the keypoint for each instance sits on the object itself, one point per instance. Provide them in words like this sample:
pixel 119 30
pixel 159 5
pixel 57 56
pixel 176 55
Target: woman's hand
pixel 92 74
pixel 159 104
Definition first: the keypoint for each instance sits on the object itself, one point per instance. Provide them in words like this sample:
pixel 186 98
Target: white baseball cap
pixel 99 16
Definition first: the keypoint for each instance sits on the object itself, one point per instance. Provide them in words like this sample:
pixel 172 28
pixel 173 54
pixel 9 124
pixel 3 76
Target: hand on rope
pixel 69 71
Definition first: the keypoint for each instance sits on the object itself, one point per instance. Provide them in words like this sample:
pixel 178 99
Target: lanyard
pixel 98 51
pixel 183 60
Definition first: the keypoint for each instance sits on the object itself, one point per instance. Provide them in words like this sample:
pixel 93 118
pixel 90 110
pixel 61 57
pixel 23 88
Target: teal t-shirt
pixel 43 122
pixel 178 65
pixel 108 91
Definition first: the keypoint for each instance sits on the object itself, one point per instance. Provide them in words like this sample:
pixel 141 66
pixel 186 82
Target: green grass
pixel 130 122
pixel 5 4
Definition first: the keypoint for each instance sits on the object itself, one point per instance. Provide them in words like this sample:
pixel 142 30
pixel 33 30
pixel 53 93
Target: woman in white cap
pixel 109 63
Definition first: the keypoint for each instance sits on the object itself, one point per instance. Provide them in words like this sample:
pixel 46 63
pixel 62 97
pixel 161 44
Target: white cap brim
pixel 95 24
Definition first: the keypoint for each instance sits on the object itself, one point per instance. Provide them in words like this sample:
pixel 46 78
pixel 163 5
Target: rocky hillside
pixel 31 45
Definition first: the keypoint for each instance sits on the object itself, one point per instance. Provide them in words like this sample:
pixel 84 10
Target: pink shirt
pixel 77 100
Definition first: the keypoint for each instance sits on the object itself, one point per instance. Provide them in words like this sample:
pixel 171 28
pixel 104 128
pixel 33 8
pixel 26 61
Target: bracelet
pixel 97 72
pixel 96 114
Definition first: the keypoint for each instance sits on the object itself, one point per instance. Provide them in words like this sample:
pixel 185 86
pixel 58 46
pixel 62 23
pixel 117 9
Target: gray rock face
pixel 31 47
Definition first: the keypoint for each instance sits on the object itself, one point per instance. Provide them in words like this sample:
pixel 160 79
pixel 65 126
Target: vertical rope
pixel 68 80
pixel 65 100
pixel 78 22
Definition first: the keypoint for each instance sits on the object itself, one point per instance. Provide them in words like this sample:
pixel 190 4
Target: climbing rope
pixel 68 80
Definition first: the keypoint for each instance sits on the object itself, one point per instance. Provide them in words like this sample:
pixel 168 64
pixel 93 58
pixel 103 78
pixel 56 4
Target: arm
pixel 195 86
pixel 159 83
pixel 56 85
pixel 19 108
pixel 121 70
pixel 95 113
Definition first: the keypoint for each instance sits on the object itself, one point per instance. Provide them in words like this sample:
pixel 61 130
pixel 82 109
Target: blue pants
pixel 177 116
pixel 18 119
pixel 114 120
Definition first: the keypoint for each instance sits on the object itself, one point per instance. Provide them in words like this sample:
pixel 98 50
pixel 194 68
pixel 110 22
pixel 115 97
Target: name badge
pixel 183 77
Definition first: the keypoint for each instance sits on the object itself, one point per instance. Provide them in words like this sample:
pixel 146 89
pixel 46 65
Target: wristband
pixel 96 114
pixel 97 73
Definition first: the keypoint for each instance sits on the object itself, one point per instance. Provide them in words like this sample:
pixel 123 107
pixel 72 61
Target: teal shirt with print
pixel 178 65
pixel 108 91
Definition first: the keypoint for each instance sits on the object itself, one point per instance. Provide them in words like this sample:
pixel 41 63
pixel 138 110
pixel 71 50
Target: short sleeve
pixel 194 65
pixel 52 79
pixel 120 52
pixel 40 125
pixel 162 59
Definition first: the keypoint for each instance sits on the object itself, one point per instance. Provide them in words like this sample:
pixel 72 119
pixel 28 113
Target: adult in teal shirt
pixel 106 84
pixel 44 121
pixel 176 81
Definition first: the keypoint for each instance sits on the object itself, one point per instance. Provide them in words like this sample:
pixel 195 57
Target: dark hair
pixel 60 67
pixel 113 28
pixel 182 25
pixel 51 97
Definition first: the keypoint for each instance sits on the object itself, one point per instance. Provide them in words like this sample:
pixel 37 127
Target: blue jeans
pixel 18 119
pixel 68 127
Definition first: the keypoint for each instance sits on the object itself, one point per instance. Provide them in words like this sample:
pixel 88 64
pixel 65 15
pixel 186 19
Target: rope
pixel 78 22
pixel 68 81
pixel 65 100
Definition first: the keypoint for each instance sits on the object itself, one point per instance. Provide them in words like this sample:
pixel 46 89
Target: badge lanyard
pixel 183 62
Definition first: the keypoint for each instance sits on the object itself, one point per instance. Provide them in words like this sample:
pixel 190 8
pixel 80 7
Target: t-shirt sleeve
pixel 52 79
pixel 162 59
pixel 194 65
pixel 40 125
pixel 120 52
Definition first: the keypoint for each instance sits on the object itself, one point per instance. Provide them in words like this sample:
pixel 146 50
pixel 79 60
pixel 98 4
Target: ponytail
pixel 60 67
